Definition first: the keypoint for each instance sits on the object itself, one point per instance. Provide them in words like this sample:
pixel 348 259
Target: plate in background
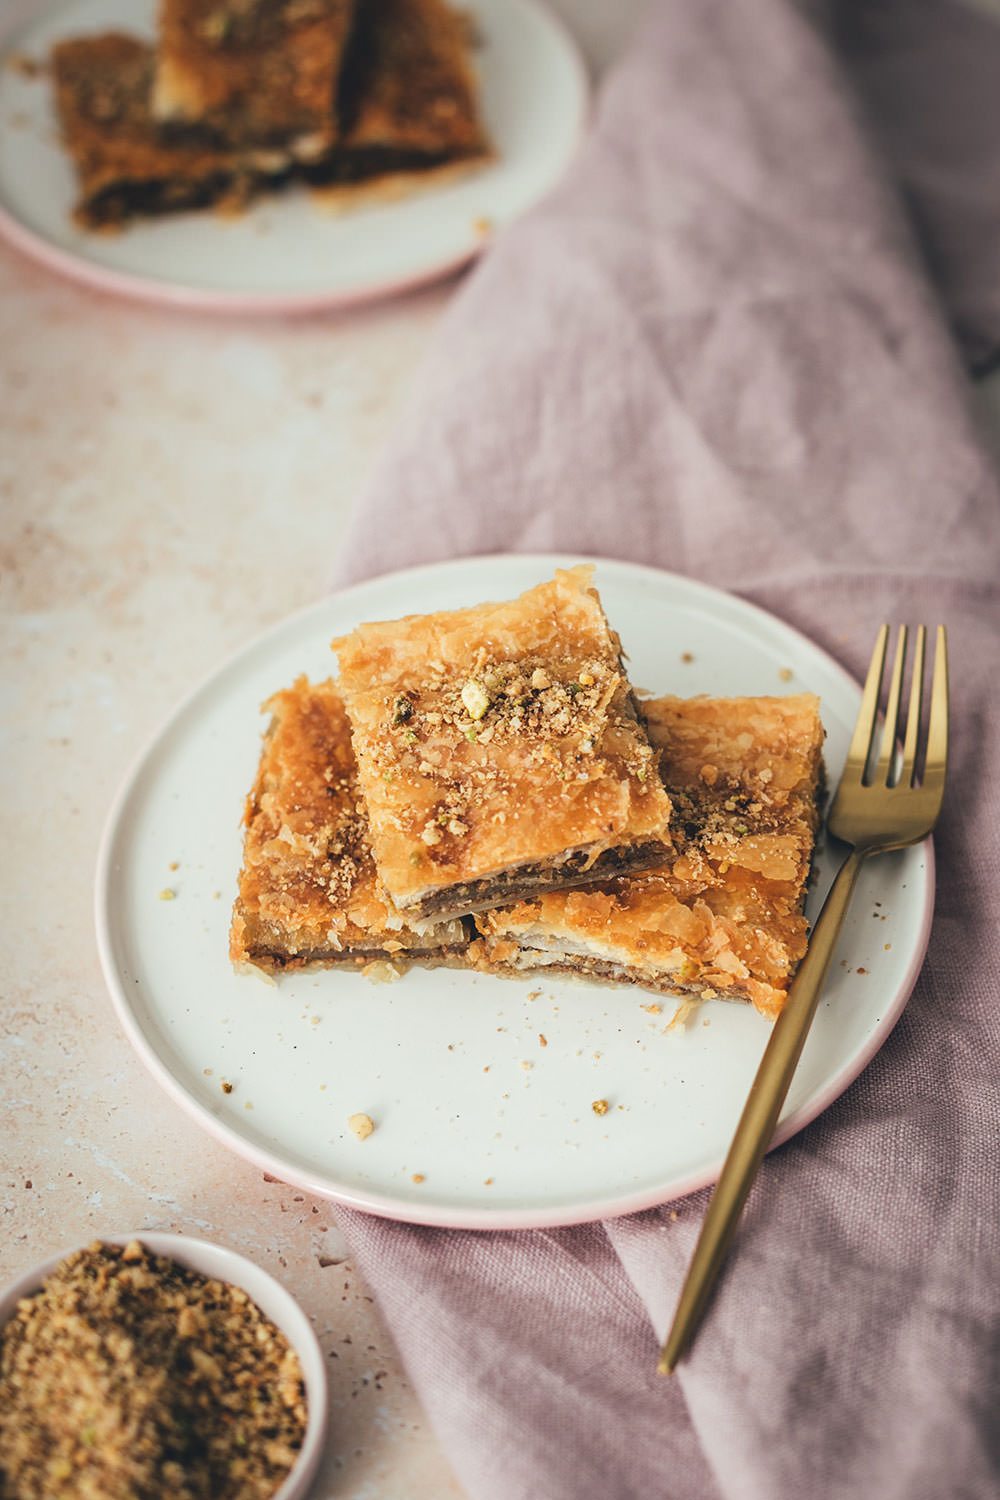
pixel 478 1125
pixel 287 253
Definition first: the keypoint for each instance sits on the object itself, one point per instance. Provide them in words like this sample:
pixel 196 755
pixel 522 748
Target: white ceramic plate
pixel 270 1296
pixel 287 253
pixel 498 1128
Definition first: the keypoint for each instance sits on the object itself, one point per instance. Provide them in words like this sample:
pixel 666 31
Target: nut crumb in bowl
pixel 151 1364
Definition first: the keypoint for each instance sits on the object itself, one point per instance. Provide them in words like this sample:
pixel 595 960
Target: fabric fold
pixel 714 348
pixel 927 73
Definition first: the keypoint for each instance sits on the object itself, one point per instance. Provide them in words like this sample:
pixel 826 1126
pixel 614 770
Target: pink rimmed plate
pixel 287 253
pixel 478 1124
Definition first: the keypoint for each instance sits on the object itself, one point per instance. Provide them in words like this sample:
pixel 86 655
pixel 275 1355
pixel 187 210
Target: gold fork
pixel 889 807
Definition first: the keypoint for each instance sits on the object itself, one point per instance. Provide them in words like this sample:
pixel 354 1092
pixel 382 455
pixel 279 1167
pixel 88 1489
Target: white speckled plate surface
pixel 477 1123
pixel 287 253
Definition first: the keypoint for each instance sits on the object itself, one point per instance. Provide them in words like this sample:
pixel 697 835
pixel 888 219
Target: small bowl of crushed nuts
pixel 156 1364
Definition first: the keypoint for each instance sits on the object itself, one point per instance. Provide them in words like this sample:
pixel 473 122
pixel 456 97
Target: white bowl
pixel 270 1296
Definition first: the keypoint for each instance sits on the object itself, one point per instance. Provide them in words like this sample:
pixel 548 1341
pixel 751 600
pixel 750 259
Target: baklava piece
pixel 308 891
pixel 127 167
pixel 723 915
pixel 500 751
pixel 261 73
pixel 408 97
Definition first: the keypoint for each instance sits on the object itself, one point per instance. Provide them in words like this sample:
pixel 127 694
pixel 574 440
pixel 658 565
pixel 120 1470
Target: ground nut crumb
pixel 361 1125
pixel 129 1376
pixel 475 699
pixel 21 63
pixel 600 1106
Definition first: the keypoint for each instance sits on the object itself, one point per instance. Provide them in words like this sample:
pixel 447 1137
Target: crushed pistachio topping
pixel 128 1374
pixel 711 819
pixel 530 701
pixel 345 843
pixel 473 735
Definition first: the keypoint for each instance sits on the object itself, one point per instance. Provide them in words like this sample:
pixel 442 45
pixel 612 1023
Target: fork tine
pixel 884 767
pixel 864 727
pixel 908 766
pixel 936 759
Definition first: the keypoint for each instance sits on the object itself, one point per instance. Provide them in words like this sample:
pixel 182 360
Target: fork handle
pixel 760 1113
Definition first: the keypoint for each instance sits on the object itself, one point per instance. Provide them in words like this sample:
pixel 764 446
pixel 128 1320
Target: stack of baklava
pixel 240 97
pixel 482 787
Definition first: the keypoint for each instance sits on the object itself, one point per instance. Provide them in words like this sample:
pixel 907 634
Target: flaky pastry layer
pixel 258 72
pixel 246 96
pixel 410 82
pixel 308 891
pixel 126 165
pixel 408 103
pixel 723 915
pixel 499 750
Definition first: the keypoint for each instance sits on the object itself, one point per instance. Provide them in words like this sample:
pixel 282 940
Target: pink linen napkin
pixel 715 348
pixel 928 72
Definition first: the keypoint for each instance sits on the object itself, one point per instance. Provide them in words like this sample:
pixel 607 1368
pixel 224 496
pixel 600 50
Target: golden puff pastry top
pixel 498 736
pixel 308 879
